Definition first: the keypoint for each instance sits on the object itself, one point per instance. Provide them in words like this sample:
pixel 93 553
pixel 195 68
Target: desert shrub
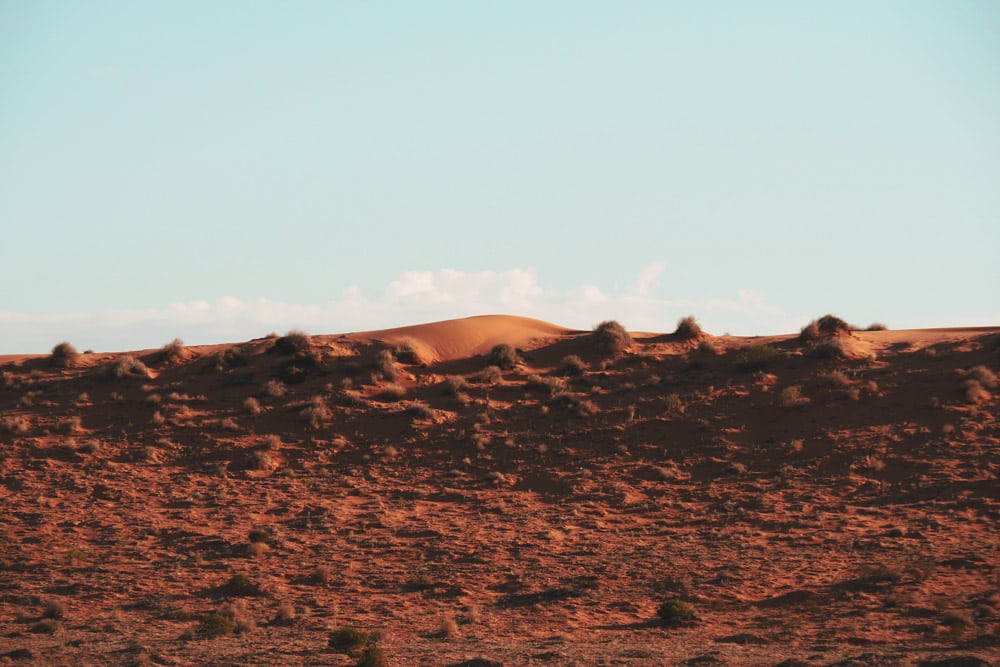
pixel 348 640
pixel 837 379
pixel 293 342
pixel 316 412
pixel 832 348
pixel 574 404
pixel 490 375
pixel 611 338
pixel 216 624
pixel 127 366
pixel 391 393
pixel 673 404
pixel 230 358
pixel 285 615
pixel 791 397
pixel 405 352
pixel 252 405
pixel 572 366
pixel 831 325
pixel 385 365
pixel 372 656
pixel 172 351
pixel 504 357
pixel 755 357
pixel 259 535
pixel 546 384
pixel 876 326
pixel 983 376
pixel 54 609
pixel 419 410
pixel 17 425
pixel 63 355
pixel 674 612
pixel 687 328
pixel 274 389
pixel 975 392
pixel 809 332
pixel 46 626
pixel 230 424
pixel 454 385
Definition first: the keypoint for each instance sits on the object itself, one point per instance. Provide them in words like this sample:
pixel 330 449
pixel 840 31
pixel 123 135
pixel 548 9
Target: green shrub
pixel 216 624
pixel 372 656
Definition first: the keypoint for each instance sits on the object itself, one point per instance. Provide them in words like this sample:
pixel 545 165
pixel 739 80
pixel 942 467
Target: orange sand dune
pixel 466 337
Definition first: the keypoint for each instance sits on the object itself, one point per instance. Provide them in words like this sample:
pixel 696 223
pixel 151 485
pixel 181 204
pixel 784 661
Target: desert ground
pixel 499 490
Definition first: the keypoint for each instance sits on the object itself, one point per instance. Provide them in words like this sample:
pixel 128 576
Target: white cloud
pixel 414 296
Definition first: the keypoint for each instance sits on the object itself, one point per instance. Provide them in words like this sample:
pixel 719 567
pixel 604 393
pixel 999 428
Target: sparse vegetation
pixel 490 375
pixel 876 326
pixel 791 397
pixel 316 412
pixel 348 640
pixel 611 338
pixel 274 389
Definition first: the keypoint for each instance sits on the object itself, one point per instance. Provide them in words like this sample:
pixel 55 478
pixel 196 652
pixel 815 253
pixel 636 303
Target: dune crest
pixel 466 337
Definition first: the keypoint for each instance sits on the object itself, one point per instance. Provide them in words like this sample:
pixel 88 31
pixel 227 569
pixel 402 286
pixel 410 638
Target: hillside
pixel 830 501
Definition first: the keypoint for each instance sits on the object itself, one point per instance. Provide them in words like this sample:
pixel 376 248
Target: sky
pixel 218 171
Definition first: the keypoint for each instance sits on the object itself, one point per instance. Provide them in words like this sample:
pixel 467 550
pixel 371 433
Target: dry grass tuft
pixel 127 366
pixel 611 338
pixel 504 357
pixel 171 352
pixel 385 366
pixel 572 366
pixel 293 342
pixel 688 328
pixel 791 397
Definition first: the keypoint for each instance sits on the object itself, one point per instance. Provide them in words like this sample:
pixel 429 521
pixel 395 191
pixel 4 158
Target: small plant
pixel 983 376
pixel 216 624
pixel 385 366
pixel 316 412
pixel 831 325
pixel 791 397
pixel 673 404
pixel 490 375
pixel 46 626
pixel 455 385
pixel 127 366
pixel 674 612
pixel 348 640
pixel 392 393
pixel 611 338
pixel 550 385
pixel 876 326
pixel 975 392
pixel 293 342
pixel 405 352
pixel 172 351
pixel 252 406
pixel 285 615
pixel 832 348
pixel 274 389
pixel 63 355
pixel 419 410
pixel 504 357
pixel 259 535
pixel 372 656
pixel 688 328
pixel 572 366
pixel 574 404
pixel 54 609
pixel 240 584
pixel 756 357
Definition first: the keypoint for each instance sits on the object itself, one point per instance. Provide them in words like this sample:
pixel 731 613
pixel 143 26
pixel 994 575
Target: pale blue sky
pixel 752 163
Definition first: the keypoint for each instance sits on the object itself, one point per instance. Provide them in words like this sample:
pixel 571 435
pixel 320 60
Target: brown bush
pixel 611 338
pixel 385 365
pixel 63 355
pixel 688 328
pixel 171 352
pixel 504 357
pixel 293 342
pixel 127 366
